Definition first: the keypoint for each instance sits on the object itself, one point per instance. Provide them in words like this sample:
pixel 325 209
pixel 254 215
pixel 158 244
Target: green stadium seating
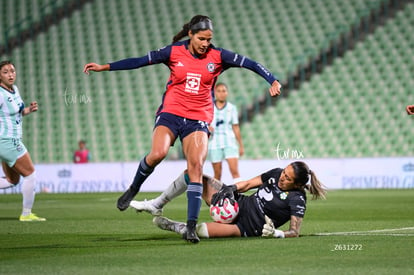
pixel 361 101
pixel 340 112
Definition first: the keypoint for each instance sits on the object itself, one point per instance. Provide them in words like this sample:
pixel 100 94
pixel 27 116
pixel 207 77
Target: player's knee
pixel 196 165
pixel 31 176
pixel 157 155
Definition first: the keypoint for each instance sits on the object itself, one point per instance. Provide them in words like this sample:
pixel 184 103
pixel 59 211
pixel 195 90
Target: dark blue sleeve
pixel 231 59
pixel 153 57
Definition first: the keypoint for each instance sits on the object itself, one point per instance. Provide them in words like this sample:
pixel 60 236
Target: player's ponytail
pixel 315 187
pixel 183 33
pixel 302 174
pixel 196 24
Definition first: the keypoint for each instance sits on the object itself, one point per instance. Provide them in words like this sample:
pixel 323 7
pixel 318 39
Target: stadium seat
pixel 348 95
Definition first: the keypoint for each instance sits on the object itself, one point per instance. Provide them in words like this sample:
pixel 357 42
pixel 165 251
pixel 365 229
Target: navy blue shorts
pixel 180 126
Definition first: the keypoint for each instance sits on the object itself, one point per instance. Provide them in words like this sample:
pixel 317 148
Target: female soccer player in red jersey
pixel 187 105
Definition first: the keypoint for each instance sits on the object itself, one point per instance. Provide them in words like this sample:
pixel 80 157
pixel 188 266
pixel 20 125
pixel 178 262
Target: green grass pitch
pixel 86 234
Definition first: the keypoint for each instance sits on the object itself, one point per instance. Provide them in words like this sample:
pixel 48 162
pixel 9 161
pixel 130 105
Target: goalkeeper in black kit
pixel 280 197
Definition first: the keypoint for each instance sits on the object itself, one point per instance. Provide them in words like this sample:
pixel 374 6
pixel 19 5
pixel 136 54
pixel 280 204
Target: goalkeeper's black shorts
pixel 250 221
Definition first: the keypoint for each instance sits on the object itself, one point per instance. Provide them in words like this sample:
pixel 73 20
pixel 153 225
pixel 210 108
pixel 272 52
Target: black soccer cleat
pixel 191 234
pixel 126 198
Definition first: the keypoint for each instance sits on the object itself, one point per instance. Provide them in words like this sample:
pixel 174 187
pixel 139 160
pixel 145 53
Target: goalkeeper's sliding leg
pixel 204 230
pixel 176 188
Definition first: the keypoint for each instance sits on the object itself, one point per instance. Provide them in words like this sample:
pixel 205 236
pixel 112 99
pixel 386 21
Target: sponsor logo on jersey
pixel 192 84
pixel 265 194
pixel 179 64
pixel 219 122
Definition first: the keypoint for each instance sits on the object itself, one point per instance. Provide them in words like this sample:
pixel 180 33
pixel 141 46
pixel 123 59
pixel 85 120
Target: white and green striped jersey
pixel 11 108
pixel 223 120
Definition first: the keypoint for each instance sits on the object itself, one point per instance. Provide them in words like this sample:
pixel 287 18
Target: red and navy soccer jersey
pixel 189 87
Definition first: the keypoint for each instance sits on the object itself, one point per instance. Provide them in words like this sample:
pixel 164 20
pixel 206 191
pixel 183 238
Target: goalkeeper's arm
pixel 227 191
pixel 246 185
pixel 269 229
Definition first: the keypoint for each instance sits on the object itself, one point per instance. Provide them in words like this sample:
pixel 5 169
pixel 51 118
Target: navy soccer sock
pixel 144 170
pixel 194 192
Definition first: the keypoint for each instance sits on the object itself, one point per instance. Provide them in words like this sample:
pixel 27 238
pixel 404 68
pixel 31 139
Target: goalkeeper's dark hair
pixel 196 24
pixel 302 175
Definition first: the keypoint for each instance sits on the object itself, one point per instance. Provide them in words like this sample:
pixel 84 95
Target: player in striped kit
pixel 15 158
pixel 187 106
pixel 225 142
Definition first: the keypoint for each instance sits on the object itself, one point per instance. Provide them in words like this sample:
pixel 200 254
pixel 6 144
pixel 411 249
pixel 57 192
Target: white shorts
pixel 220 154
pixel 11 149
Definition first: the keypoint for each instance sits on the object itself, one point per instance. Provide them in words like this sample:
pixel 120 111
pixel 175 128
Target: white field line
pixel 378 232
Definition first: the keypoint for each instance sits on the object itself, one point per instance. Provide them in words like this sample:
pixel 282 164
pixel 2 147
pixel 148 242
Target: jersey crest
pixel 283 195
pixel 211 67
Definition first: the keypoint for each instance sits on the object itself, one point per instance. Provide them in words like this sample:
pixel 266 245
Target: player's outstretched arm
pixel 274 90
pixel 95 68
pixel 269 229
pixel 410 109
pixel 245 185
pixel 294 228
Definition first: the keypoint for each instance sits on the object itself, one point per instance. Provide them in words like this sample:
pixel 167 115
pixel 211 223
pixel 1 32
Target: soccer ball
pixel 226 213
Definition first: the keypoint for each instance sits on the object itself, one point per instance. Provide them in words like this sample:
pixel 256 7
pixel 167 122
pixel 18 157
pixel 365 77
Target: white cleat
pixel 170 225
pixel 146 206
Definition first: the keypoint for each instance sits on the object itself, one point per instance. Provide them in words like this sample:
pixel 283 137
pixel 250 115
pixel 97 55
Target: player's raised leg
pixel 162 139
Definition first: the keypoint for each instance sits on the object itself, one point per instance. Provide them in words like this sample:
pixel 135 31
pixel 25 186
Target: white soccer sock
pixel 202 230
pixel 4 183
pixel 176 188
pixel 28 192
